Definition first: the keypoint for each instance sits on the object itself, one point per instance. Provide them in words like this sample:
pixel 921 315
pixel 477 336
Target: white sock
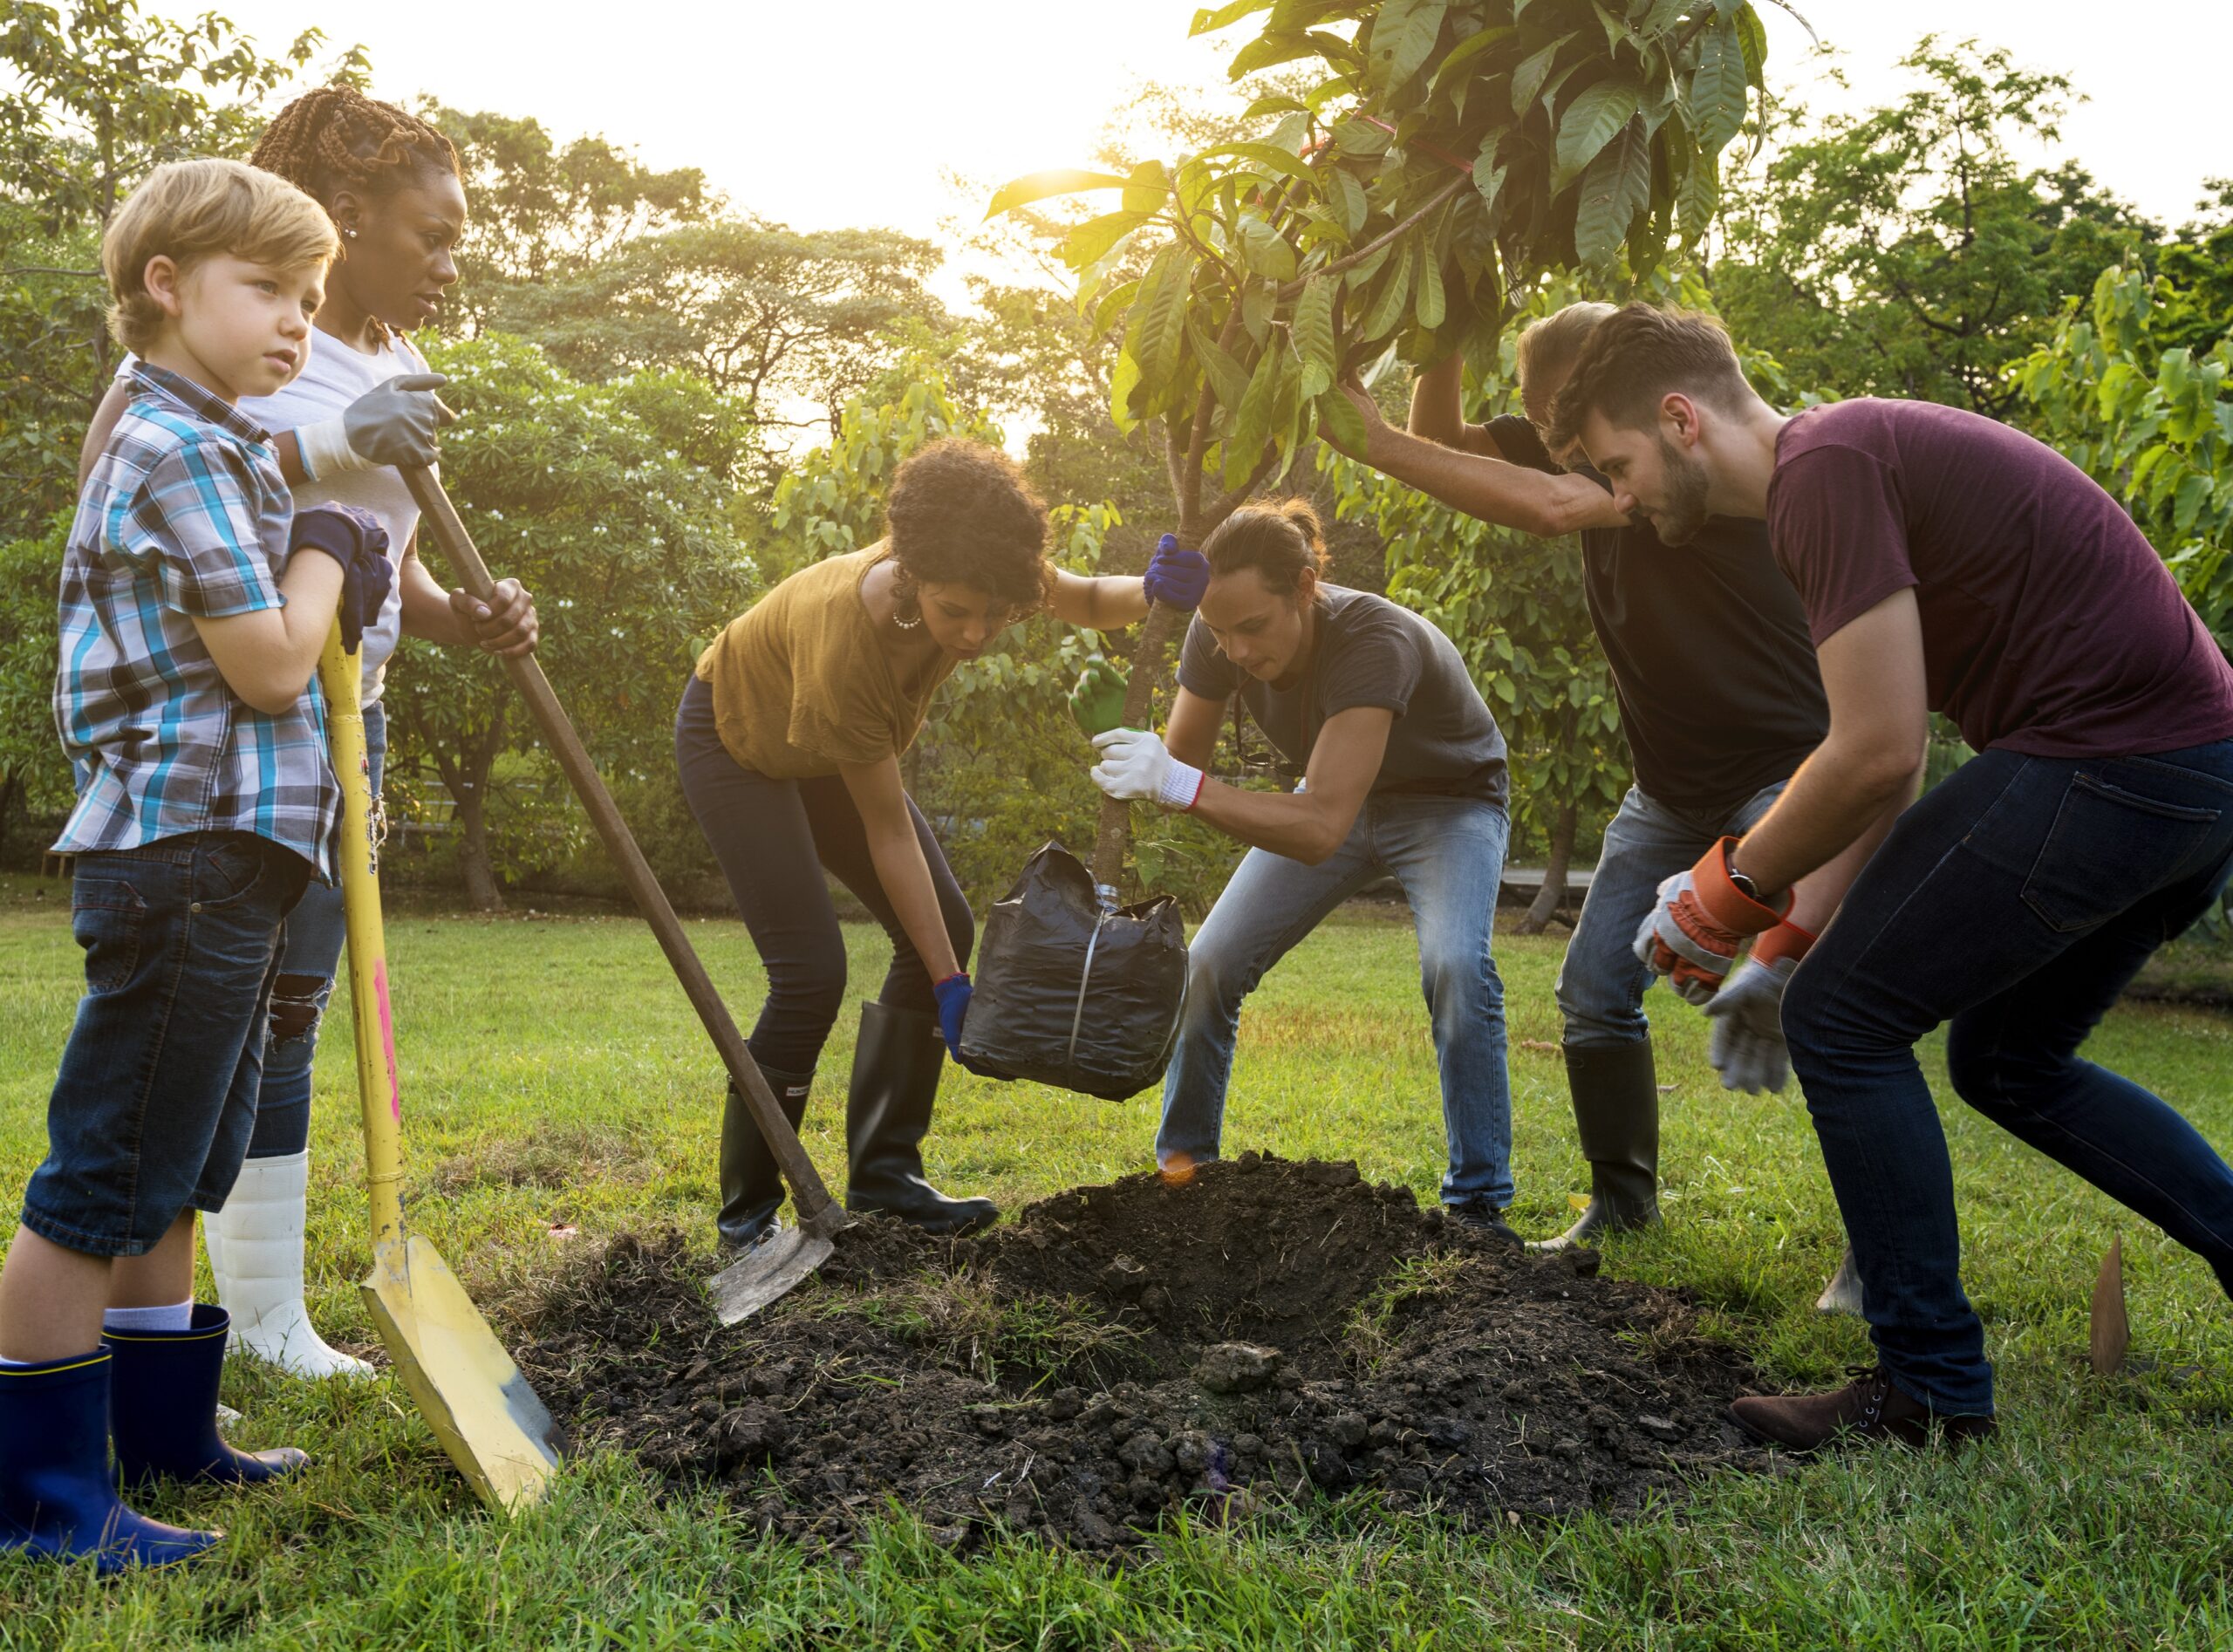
pixel 178 1316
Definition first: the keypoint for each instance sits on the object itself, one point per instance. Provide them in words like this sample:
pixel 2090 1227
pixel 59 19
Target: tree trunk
pixel 1553 894
pixel 479 866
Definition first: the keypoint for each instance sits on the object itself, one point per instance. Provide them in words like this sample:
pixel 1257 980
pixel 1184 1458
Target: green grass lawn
pixel 558 1090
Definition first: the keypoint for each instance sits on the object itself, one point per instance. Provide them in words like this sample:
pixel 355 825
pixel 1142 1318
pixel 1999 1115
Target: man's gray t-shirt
pixel 1369 652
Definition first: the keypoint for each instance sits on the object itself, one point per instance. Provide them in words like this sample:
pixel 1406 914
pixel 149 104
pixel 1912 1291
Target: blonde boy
pixel 189 635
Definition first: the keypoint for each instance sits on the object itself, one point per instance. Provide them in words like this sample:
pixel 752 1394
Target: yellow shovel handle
pixel 377 1090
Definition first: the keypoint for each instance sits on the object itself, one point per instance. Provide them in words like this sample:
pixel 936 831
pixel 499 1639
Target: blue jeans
pixel 1448 854
pixel 309 956
pixel 152 1108
pixel 1602 982
pixel 2016 900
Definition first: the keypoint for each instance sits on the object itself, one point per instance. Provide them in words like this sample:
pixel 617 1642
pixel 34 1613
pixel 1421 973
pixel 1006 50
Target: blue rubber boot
pixel 58 1493
pixel 163 1407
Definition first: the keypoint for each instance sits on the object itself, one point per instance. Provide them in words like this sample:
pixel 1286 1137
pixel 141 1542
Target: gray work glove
pixel 391 423
pixel 1746 1044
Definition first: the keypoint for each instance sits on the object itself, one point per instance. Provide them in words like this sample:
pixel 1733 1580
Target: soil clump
pixel 1269 1328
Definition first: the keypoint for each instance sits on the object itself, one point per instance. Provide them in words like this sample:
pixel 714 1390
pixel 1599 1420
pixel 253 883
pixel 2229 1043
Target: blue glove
pixel 1176 579
pixel 953 994
pixel 353 537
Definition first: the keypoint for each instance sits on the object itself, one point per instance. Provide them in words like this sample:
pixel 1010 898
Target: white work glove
pixel 391 423
pixel 1746 1044
pixel 1133 765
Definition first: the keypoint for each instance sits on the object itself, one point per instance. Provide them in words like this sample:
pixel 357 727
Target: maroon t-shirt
pixel 2050 625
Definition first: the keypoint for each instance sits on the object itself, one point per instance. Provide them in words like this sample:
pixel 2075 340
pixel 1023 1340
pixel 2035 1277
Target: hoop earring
pixel 907 606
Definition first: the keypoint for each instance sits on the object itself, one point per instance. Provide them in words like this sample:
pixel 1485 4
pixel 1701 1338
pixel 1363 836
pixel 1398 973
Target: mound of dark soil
pixel 1268 1328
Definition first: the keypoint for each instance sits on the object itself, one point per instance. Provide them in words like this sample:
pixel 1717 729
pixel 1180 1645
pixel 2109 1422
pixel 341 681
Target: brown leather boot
pixel 1868 1409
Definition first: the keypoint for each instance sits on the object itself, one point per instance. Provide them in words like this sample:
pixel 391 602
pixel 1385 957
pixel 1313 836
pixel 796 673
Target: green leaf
pixel 1446 75
pixel 1428 307
pixel 1147 188
pixel 1355 137
pixel 1345 197
pixel 1388 305
pixel 1404 35
pixel 1228 378
pixel 1589 123
pixel 1263 249
pixel 1113 304
pixel 1527 79
pixel 1209 22
pixel 1752 40
pixel 1340 416
pixel 1157 325
pixel 1718 89
pixel 1313 327
pixel 1267 50
pixel 1041 186
pixel 1264 154
pixel 1615 188
pixel 1698 199
pixel 1251 425
pixel 1092 240
pixel 1122 383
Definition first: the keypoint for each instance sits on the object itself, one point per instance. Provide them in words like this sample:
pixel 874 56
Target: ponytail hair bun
pixel 1280 538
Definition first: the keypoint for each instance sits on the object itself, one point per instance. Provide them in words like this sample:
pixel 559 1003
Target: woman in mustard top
pixel 789 738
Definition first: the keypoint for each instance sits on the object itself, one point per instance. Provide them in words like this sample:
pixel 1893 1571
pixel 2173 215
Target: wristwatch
pixel 1743 884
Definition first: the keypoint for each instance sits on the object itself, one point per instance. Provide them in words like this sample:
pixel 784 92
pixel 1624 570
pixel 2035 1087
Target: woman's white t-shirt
pixel 335 376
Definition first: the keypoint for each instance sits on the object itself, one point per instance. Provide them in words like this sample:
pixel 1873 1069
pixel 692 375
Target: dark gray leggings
pixel 773 839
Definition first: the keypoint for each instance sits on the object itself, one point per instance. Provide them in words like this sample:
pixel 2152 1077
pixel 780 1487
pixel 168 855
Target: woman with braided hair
pixel 362 406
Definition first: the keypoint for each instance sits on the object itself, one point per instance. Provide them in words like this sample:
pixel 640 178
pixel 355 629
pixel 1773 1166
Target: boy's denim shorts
pixel 151 1111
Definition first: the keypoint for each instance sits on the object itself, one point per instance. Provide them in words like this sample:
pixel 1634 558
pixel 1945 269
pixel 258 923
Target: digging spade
pixel 473 1396
pixel 773 1266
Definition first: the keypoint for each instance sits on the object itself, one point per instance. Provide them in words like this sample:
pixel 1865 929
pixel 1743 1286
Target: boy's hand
pixel 354 538
pixel 390 424
pixel 505 624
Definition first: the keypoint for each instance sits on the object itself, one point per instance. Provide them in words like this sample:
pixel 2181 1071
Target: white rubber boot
pixel 255 1252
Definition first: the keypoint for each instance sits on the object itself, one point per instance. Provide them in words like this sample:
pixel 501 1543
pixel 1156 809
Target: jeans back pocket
pixel 2107 849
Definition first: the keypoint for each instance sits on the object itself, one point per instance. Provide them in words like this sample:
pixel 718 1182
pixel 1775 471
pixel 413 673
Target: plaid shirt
pixel 185 515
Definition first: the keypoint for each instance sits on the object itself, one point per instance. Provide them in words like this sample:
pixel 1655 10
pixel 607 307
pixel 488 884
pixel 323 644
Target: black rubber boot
pixel 896 1069
pixel 752 1186
pixel 1615 1092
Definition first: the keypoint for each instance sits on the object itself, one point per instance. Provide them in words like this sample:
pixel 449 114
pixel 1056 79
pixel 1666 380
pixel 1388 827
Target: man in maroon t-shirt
pixel 1946 563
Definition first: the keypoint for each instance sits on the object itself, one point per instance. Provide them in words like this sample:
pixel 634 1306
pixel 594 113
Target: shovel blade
pixel 495 1428
pixel 769 1270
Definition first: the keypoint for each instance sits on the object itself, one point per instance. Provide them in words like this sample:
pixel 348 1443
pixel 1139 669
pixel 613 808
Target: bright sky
pixel 851 111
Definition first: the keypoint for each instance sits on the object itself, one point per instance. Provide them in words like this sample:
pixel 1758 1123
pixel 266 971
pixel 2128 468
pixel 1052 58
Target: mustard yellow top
pixel 802 684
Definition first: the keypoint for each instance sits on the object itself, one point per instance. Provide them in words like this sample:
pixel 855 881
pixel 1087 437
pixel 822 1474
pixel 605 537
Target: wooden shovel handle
pixel 817 1213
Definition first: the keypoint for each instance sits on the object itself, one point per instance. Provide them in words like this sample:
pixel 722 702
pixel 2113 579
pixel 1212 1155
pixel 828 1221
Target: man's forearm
pixel 1816 897
pixel 1493 490
pixel 1301 825
pixel 1821 831
pixel 1438 403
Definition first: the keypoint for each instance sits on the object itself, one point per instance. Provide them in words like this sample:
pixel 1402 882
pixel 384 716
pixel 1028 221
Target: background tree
pixel 92 98
pixel 1905 251
pixel 609 501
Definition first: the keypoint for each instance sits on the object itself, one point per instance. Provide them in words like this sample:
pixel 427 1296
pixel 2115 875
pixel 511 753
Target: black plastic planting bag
pixel 1071 996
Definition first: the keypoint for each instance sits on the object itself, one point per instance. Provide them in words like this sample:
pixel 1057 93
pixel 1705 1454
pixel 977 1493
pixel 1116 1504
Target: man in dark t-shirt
pixel 1720 702
pixel 1947 563
pixel 1404 777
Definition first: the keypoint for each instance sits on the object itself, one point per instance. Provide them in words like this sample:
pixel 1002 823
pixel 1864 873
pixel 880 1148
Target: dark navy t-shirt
pixel 1711 661
pixel 1369 652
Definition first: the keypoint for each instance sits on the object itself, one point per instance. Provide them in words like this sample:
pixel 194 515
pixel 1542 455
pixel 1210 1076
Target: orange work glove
pixel 1700 922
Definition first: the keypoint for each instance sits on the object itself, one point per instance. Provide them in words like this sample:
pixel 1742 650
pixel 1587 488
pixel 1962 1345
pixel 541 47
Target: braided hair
pixel 336 138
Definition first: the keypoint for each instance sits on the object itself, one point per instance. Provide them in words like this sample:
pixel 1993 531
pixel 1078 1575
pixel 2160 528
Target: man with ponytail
pixel 363 405
pixel 1404 777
